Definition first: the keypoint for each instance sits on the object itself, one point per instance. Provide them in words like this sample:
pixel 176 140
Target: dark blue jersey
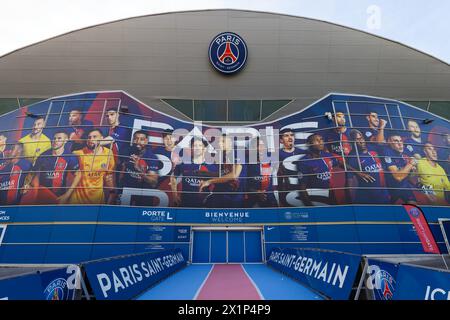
pixel 315 173
pixel 52 170
pixel 121 145
pixel 336 142
pixel 3 159
pixel 132 177
pixel 369 192
pixel 260 181
pixel 288 169
pixel 397 189
pixel 78 135
pixel 12 178
pixel 413 147
pixel 191 175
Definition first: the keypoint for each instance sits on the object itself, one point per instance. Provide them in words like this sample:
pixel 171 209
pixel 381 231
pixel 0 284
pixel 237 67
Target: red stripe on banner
pixel 228 282
pixel 423 230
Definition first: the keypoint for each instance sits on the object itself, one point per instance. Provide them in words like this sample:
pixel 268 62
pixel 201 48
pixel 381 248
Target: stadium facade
pixel 130 141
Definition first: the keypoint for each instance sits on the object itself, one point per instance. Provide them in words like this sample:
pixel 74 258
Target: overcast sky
pixel 421 24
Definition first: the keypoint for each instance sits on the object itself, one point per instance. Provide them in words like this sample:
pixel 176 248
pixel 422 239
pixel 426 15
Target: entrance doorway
pixel 227 245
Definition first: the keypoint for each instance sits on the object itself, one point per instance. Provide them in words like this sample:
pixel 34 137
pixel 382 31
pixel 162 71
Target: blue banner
pixel 58 284
pixel 331 273
pixel 418 283
pixel 381 279
pixel 123 278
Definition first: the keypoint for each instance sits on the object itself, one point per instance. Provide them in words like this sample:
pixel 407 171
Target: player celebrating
pixel 35 143
pixel 414 143
pixel 49 174
pixel 227 190
pixel 368 173
pixel 96 165
pixel 260 184
pixel 315 172
pixel 3 151
pixel 118 137
pixel 12 176
pixel 375 132
pixel 191 175
pixel 399 167
pixel 336 139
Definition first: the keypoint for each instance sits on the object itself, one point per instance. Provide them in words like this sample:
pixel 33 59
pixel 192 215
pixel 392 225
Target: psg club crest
pixel 57 290
pixel 228 52
pixel 387 285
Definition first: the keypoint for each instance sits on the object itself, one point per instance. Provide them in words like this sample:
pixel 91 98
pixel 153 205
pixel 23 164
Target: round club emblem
pixel 228 52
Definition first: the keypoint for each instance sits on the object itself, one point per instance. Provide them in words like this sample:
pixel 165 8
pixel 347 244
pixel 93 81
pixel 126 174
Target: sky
pixel 423 25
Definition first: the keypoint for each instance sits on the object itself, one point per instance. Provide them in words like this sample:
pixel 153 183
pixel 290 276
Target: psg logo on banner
pixel 228 52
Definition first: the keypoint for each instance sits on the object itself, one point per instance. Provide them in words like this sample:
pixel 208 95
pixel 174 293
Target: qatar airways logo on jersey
pixel 376 167
pixel 7 185
pixel 193 182
pixel 53 175
pixel 324 176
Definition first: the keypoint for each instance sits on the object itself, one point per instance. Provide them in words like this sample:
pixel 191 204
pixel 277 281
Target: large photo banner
pixel 109 148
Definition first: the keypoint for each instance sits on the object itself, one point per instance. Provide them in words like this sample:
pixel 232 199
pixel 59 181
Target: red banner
pixel 423 230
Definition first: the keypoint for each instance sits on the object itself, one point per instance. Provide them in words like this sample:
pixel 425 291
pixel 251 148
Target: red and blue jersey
pixel 53 170
pixel 369 163
pixel 316 173
pixel 12 178
pixel 132 178
pixel 121 145
pixel 191 176
pixel 260 179
pixel 397 189
pixel 3 159
pixel 337 142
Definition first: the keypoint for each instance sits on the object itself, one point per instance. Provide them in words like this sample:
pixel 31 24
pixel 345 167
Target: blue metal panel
pixel 24 253
pixel 110 250
pixel 236 246
pixel 201 247
pixel 218 246
pixel 253 246
pixel 68 253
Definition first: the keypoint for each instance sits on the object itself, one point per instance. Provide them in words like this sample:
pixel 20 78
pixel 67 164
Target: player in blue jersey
pixel 118 137
pixel 399 166
pixel 191 175
pixel 336 139
pixel 443 153
pixel 367 179
pixel 3 151
pixel 166 155
pixel 48 181
pixel 227 188
pixel 12 176
pixel 260 179
pixel 287 171
pixel 375 132
pixel 337 143
pixel 140 170
pixel 78 129
pixel 413 144
pixel 315 173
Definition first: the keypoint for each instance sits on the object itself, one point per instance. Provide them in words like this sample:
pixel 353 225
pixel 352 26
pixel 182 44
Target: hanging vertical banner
pixel 423 230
